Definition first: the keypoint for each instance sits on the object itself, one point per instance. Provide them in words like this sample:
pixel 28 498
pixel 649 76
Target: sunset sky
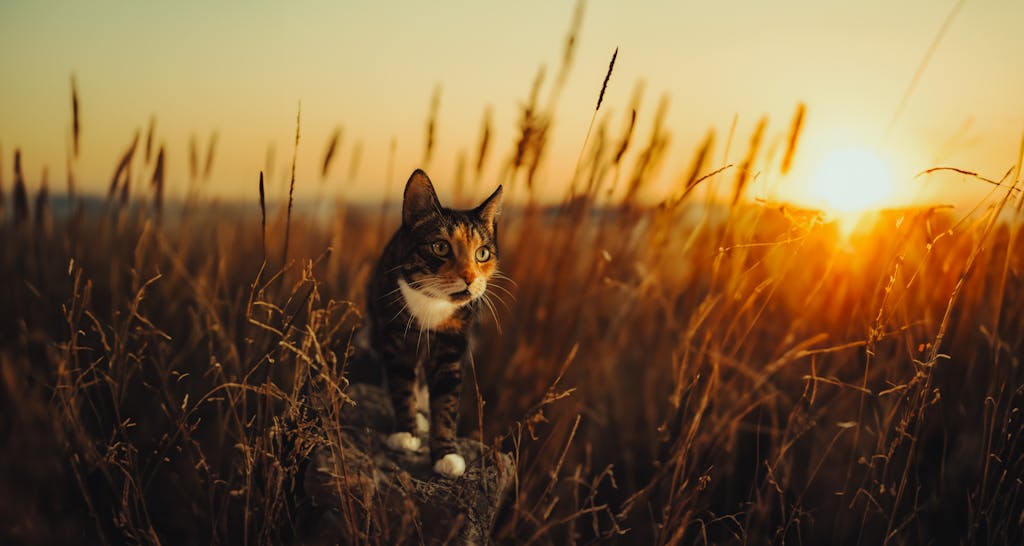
pixel 240 69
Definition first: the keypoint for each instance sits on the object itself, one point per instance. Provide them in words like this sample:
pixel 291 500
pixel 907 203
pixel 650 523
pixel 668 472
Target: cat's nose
pixel 467 277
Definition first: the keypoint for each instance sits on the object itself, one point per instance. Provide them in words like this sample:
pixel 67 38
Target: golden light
pixel 851 180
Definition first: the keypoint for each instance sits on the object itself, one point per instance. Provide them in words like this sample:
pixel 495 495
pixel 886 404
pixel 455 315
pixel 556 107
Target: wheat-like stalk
pixel 75 117
pixel 193 159
pixel 431 133
pixel 332 145
pixel 2 196
pixel 699 160
pixel 291 188
pixel 484 146
pixel 20 191
pixel 794 137
pixel 42 213
pixel 746 168
pixel 593 116
pixel 158 183
pixel 211 152
pixel 263 220
pixel 150 135
pixel 122 173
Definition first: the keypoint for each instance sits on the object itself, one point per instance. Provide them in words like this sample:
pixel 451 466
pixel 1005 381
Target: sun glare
pixel 850 181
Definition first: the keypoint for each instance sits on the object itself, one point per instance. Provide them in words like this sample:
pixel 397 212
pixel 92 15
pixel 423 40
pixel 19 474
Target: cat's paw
pixel 451 465
pixel 403 441
pixel 422 424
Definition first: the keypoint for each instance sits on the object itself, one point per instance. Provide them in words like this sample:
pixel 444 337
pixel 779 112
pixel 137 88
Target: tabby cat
pixel 422 299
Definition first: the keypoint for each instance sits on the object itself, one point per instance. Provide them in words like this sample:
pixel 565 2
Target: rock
pixel 356 490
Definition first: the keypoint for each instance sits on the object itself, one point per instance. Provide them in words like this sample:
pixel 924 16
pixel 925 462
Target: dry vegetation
pixel 676 373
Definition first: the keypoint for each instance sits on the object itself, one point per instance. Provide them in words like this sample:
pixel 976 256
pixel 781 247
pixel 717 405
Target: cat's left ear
pixel 489 210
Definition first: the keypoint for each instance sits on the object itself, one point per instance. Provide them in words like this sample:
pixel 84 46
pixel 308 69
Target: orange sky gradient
pixel 240 70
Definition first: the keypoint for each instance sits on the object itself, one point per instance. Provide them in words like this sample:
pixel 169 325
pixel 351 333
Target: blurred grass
pixel 729 374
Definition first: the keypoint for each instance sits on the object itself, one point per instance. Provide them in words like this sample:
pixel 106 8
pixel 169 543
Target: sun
pixel 850 181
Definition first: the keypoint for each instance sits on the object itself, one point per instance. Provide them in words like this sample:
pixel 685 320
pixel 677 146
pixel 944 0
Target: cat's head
pixel 453 253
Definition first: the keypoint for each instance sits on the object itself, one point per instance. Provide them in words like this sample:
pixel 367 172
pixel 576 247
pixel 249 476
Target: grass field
pixel 684 371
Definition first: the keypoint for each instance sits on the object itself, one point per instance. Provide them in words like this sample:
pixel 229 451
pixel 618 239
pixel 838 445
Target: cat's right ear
pixel 420 202
pixel 490 208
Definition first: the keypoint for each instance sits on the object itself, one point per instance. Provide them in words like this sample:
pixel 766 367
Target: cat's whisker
pixel 413 284
pixel 503 289
pixel 404 307
pixel 503 277
pixel 499 298
pixel 419 282
pixel 396 299
pixel 408 323
pixel 419 336
pixel 427 284
pixel 494 313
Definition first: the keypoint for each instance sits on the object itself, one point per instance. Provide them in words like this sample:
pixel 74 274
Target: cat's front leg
pixel 401 374
pixel 445 387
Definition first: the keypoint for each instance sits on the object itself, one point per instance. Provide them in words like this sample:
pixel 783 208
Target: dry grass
pixel 675 373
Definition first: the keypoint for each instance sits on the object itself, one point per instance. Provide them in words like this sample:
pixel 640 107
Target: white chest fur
pixel 429 312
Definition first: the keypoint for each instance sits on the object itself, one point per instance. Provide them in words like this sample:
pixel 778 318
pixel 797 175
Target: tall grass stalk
pixel 263 220
pixel 593 116
pixel 291 189
pixel 20 192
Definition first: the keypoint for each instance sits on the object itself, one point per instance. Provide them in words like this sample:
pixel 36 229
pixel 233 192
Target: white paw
pixel 422 424
pixel 451 465
pixel 403 441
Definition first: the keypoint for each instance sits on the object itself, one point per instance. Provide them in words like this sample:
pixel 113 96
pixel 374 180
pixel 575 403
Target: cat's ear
pixel 420 201
pixel 490 208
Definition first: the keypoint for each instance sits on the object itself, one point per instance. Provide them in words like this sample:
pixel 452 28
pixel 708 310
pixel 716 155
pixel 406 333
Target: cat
pixel 423 298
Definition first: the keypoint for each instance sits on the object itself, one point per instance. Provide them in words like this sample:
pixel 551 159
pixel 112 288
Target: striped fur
pixel 422 299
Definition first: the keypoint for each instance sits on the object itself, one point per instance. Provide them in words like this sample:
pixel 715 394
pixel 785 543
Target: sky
pixel 240 70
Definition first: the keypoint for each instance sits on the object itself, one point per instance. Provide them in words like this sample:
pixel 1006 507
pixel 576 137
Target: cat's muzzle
pixel 461 297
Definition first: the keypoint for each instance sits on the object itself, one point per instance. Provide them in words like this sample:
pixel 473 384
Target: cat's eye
pixel 483 254
pixel 440 248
